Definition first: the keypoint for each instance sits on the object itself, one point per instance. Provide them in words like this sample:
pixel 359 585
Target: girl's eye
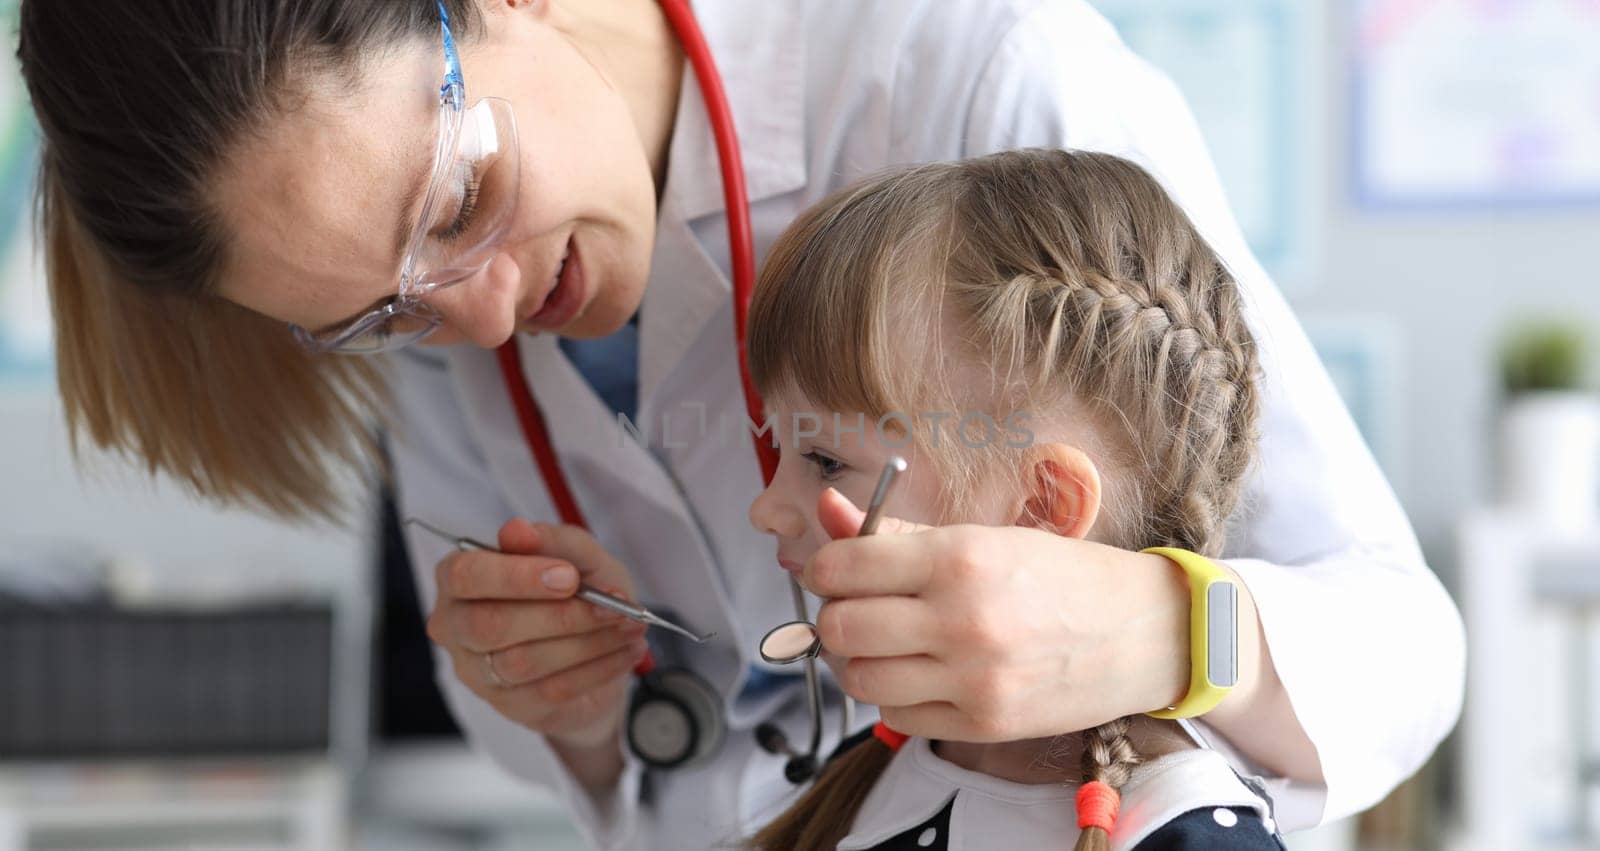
pixel 830 468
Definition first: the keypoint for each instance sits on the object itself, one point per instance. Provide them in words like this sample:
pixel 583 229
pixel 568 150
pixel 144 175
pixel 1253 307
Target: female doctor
pixel 233 191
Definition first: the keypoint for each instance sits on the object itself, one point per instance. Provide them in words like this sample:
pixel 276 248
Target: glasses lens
pixel 476 202
pixel 389 327
pixel 467 211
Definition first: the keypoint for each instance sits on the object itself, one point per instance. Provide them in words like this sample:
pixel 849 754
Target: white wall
pixel 1449 281
pixel 117 509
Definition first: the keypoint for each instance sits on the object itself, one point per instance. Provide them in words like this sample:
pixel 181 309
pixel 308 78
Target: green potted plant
pixel 1551 422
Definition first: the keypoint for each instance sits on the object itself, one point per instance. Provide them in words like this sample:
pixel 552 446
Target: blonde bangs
pixel 841 311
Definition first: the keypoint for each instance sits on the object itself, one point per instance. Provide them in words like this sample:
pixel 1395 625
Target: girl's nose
pixel 773 515
pixel 483 308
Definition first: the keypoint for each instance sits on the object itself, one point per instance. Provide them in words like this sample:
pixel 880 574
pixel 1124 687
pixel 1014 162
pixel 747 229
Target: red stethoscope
pixel 675 717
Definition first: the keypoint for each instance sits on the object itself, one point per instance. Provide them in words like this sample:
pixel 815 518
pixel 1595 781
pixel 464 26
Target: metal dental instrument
pixel 782 646
pixel 895 467
pixel 869 525
pixel 585 592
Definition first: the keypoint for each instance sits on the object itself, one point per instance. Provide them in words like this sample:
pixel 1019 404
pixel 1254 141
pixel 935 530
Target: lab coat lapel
pixel 630 503
pixel 690 272
pixel 765 85
pixel 686 288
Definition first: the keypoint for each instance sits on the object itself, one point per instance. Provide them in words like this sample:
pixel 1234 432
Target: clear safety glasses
pixel 470 201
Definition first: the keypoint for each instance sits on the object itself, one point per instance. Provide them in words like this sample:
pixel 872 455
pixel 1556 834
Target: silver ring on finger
pixel 494 676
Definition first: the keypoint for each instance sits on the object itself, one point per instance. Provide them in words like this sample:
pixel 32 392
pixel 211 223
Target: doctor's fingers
pixel 879 627
pixel 547 704
pixel 900 681
pixel 479 575
pixel 874 566
pixel 574 545
pixel 535 660
pixel 485 625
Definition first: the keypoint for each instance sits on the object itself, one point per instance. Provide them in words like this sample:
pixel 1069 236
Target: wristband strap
pixel 1213 634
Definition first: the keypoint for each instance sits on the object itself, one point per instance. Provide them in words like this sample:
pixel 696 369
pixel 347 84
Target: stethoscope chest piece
pixel 674 719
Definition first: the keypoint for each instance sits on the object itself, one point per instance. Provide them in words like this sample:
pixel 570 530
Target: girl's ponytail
pixel 823 815
pixel 1108 761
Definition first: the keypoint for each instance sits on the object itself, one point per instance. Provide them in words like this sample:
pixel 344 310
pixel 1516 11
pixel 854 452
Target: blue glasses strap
pixel 453 89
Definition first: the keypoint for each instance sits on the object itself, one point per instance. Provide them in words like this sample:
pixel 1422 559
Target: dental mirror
pixel 797 640
pixel 790 643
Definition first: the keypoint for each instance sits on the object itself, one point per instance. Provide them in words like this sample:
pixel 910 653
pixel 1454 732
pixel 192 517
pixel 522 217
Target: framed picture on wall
pixel 1246 67
pixel 1461 103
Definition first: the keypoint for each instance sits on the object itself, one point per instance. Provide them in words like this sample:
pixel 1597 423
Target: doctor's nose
pixel 483 308
pixel 773 515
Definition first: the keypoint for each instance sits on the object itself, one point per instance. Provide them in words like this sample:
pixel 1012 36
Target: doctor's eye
pixel 465 207
pixel 376 333
pixel 383 330
pixel 829 468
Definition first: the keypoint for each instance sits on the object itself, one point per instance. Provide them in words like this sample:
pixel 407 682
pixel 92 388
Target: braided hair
pixel 1073 279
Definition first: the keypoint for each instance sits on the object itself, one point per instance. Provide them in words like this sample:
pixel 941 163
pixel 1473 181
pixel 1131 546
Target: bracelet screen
pixel 1222 644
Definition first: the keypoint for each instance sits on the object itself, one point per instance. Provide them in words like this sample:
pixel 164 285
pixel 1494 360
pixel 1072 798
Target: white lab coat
pixel 825 92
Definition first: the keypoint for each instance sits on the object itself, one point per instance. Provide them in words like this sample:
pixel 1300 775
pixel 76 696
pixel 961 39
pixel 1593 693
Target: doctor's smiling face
pixel 316 199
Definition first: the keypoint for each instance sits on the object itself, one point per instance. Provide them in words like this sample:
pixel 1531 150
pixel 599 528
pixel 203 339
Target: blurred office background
pixel 1422 177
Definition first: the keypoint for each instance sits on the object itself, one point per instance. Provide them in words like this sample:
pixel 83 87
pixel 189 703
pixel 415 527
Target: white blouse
pixel 989 813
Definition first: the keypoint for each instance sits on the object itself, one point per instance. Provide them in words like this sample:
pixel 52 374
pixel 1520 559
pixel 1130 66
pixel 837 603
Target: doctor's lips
pixel 790 566
pixel 567 293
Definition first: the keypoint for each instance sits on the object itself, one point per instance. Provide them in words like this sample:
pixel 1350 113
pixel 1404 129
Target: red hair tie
pixel 1097 806
pixel 882 733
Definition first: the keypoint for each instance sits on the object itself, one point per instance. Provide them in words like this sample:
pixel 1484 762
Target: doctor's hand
pixel 991 634
pixel 519 639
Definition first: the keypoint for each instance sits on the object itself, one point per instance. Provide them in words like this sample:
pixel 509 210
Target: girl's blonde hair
pixel 1074 279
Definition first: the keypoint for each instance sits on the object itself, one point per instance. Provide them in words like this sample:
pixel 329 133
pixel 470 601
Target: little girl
pixel 1049 342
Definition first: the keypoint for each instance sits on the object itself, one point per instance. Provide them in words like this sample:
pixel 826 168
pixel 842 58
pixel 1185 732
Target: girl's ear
pixel 1063 495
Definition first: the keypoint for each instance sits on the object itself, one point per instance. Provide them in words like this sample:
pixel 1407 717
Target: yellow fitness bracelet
pixel 1213 634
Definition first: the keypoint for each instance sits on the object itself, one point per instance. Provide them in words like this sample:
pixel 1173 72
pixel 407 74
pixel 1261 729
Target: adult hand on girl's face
pixel 560 664
pixel 991 634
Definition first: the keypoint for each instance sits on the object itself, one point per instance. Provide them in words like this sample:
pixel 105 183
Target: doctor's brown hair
pixel 1072 277
pixel 139 104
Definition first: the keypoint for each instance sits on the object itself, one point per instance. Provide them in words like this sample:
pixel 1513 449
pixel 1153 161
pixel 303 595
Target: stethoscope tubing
pixel 741 248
